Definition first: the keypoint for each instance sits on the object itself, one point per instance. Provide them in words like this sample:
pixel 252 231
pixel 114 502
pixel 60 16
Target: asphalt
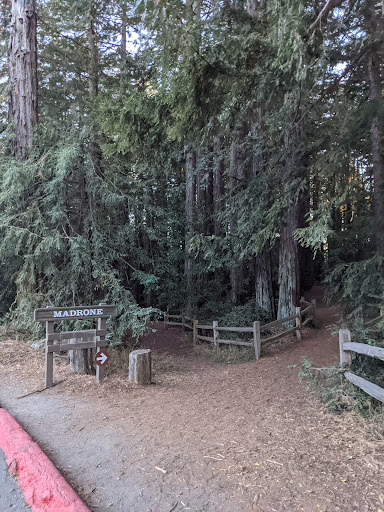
pixel 11 497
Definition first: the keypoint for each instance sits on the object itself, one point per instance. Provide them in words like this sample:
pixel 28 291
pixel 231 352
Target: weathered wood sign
pixel 82 312
pixel 91 338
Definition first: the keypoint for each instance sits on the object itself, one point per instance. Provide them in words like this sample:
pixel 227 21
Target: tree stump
pixel 140 367
pixel 80 360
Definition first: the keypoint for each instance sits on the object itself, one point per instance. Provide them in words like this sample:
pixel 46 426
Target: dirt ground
pixel 205 437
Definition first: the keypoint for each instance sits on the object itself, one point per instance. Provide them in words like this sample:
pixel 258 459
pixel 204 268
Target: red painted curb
pixel 44 488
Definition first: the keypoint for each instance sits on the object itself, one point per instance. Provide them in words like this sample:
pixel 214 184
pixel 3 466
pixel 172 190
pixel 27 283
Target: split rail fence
pixel 347 347
pixel 302 317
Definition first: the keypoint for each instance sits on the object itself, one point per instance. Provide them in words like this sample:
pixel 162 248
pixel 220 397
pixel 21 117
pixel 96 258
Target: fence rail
pixel 370 323
pixel 346 349
pixel 256 330
pixel 309 309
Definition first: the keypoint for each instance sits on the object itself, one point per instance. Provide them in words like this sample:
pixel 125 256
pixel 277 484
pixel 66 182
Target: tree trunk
pixel 190 195
pixel 23 111
pixel 289 287
pixel 263 268
pixel 218 183
pixel 377 145
pixel 306 261
pixel 263 281
pixel 123 49
pixel 237 163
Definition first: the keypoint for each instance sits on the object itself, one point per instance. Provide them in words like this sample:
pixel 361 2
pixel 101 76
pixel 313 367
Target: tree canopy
pixel 202 155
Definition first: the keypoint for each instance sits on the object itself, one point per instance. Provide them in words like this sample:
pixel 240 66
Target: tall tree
pixel 374 27
pixel 23 103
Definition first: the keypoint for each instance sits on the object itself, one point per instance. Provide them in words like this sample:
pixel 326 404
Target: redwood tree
pixel 23 74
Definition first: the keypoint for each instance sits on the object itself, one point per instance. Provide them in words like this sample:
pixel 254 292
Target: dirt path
pixel 205 437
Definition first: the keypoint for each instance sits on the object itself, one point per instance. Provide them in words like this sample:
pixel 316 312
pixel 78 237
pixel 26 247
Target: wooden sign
pixel 90 339
pixel 74 313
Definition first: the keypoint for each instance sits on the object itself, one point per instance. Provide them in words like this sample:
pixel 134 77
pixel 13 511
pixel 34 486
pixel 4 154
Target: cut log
pixel 140 367
pixel 79 359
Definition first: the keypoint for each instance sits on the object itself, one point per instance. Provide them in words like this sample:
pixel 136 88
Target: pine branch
pixel 331 4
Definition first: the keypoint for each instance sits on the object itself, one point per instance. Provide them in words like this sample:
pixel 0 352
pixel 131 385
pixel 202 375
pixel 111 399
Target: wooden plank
pixel 174 316
pixel 204 338
pixel 307 320
pixel 205 327
pixel 306 302
pixel 344 337
pixel 188 318
pixel 215 332
pixel 174 323
pixel 277 323
pixel 313 302
pixel 48 355
pixel 64 347
pixel 195 331
pixel 278 336
pixel 69 335
pixel 101 325
pixel 370 322
pixel 362 348
pixel 235 329
pixel 257 339
pixel 307 309
pixel 298 323
pixel 74 313
pixel 187 326
pixel 370 388
pixel 234 342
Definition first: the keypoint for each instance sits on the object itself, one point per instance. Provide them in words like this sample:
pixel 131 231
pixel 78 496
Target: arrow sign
pixel 101 358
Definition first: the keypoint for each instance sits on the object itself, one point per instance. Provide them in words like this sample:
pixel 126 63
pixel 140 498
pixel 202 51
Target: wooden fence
pixel 346 349
pixel 309 313
pixel 370 324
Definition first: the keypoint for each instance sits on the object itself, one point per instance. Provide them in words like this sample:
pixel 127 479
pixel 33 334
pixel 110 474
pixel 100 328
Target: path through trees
pixel 206 437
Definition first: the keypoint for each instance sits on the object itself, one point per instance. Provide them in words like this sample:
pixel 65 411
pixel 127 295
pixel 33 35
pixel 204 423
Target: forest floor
pixel 205 437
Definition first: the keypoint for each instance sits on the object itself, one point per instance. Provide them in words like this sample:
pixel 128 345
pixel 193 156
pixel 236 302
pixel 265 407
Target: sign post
pixel 93 338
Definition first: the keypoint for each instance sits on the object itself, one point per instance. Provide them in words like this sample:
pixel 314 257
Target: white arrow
pixel 102 358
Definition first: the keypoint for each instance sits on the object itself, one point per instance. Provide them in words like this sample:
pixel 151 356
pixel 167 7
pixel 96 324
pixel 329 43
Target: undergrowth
pixel 337 393
pixel 226 354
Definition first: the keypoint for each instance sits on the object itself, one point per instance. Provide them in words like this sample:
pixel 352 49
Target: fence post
pixel 165 320
pixel 313 301
pixel 48 355
pixel 298 323
pixel 195 322
pixel 344 337
pixel 302 299
pixel 215 332
pixel 257 339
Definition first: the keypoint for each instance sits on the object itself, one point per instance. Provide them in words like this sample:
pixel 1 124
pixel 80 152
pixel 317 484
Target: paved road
pixel 11 497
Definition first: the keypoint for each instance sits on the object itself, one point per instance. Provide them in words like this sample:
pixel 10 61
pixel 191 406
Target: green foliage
pixel 360 284
pixel 98 211
pixel 244 316
pixel 337 393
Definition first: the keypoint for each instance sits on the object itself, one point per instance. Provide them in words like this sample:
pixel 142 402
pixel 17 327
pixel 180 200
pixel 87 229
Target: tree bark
pixel 263 281
pixel 140 366
pixel 23 108
pixel 190 197
pixel 263 268
pixel 218 183
pixel 377 139
pixel 237 166
pixel 289 286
